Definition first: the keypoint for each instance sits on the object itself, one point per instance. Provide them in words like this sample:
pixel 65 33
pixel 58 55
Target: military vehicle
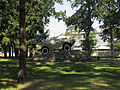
pixel 55 43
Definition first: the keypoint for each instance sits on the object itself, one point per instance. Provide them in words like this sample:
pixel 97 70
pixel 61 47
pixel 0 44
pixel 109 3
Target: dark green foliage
pixel 110 18
pixel 117 45
pixel 8 22
pixel 93 43
pixel 83 19
pixel 37 16
pixel 107 11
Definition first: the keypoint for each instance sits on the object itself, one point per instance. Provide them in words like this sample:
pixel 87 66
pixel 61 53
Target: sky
pixel 58 27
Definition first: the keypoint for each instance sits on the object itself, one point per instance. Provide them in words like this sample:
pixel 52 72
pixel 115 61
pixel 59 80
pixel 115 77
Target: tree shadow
pixel 62 76
pixel 8 74
pixel 72 76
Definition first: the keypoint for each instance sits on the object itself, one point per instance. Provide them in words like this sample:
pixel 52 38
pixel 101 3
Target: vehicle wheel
pixel 66 47
pixel 45 50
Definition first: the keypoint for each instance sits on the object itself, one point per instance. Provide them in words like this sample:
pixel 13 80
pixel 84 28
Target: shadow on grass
pixel 62 76
pixel 73 76
pixel 8 73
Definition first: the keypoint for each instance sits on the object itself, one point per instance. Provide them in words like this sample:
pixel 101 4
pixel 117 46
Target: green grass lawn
pixel 60 76
pixel 104 58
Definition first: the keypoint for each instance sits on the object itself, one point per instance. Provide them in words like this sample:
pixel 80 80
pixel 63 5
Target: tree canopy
pixel 37 16
pixel 83 18
pixel 106 11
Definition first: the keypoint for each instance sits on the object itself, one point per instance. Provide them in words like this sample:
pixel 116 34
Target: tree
pixel 22 38
pixel 8 24
pixel 83 19
pixel 93 42
pixel 41 10
pixel 5 41
pixel 110 18
pixel 4 18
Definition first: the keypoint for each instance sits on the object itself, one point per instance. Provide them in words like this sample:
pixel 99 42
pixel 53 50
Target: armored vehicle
pixel 55 43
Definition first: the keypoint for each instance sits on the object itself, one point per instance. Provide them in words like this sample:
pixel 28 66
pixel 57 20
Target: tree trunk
pixel 5 51
pixel 27 51
pixel 88 51
pixel 112 43
pixel 16 52
pixel 89 29
pixel 12 50
pixel 31 52
pixel 22 38
pixel 9 51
